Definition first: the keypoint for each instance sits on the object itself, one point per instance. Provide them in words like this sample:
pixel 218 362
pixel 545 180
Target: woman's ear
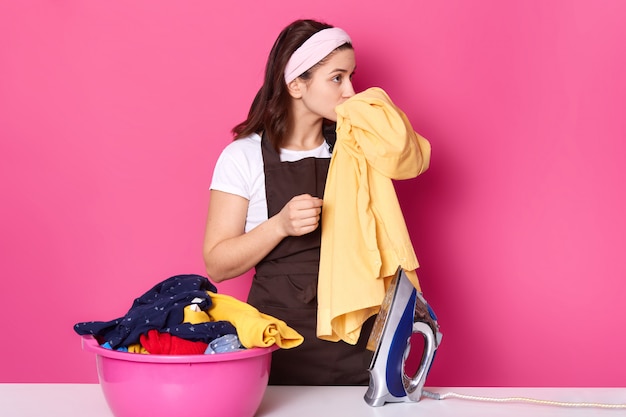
pixel 295 88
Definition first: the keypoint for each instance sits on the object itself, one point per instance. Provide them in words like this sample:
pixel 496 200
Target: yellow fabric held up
pixel 254 329
pixel 364 235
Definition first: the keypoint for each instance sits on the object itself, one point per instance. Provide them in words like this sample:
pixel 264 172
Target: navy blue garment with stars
pixel 161 308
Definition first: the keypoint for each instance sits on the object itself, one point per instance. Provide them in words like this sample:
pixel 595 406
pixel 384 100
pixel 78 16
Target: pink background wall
pixel 112 115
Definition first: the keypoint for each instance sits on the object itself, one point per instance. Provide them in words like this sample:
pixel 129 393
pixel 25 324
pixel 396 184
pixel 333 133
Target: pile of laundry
pixel 185 315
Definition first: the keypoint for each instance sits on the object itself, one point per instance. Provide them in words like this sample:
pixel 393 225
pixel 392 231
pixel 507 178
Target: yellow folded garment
pixel 254 329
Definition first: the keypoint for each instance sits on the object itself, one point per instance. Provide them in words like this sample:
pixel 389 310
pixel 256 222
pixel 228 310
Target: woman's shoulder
pixel 238 166
pixel 248 146
pixel 241 153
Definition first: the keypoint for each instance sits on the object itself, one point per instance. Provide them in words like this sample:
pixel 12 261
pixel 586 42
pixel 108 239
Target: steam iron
pixel 403 312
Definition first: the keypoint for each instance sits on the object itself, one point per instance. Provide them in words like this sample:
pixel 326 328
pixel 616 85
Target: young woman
pixel 266 198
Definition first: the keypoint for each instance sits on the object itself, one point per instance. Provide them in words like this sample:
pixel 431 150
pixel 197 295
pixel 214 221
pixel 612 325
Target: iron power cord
pixel 443 396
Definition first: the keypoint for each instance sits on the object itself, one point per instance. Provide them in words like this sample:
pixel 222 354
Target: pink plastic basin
pixel 218 385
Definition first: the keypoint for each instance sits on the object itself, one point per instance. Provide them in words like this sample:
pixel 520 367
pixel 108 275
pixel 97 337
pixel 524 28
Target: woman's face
pixel 330 84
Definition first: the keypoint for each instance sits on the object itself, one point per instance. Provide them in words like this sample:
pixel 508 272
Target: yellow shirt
pixel 364 236
pixel 254 328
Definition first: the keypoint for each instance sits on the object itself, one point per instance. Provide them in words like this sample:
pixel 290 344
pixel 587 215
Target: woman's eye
pixel 337 78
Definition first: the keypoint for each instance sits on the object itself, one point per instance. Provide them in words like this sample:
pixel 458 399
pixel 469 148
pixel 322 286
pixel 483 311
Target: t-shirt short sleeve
pixel 239 171
pixel 238 168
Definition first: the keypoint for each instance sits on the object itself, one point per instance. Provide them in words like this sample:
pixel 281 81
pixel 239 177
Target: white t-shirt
pixel 239 171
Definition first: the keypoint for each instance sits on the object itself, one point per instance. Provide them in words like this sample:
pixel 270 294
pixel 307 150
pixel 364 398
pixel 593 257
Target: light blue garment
pixel 223 344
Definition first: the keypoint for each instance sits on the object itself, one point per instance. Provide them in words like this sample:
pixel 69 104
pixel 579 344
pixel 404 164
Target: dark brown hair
pixel 270 109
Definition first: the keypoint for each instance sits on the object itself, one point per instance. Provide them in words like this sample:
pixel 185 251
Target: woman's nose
pixel 348 90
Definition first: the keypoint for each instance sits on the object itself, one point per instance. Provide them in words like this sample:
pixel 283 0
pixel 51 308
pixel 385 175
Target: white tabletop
pixel 73 400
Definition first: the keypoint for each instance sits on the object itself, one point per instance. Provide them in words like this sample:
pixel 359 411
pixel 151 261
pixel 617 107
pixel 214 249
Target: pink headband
pixel 316 48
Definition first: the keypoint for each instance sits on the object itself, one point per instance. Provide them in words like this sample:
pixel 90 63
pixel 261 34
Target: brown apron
pixel 285 285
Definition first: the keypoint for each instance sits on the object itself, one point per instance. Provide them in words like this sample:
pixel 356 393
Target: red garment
pixel 156 342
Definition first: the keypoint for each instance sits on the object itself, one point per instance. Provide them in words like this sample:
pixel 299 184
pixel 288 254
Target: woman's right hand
pixel 301 215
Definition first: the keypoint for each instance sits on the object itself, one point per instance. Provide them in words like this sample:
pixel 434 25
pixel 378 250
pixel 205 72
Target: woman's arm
pixel 230 252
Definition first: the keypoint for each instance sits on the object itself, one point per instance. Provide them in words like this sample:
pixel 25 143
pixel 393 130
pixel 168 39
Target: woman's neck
pixel 305 136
